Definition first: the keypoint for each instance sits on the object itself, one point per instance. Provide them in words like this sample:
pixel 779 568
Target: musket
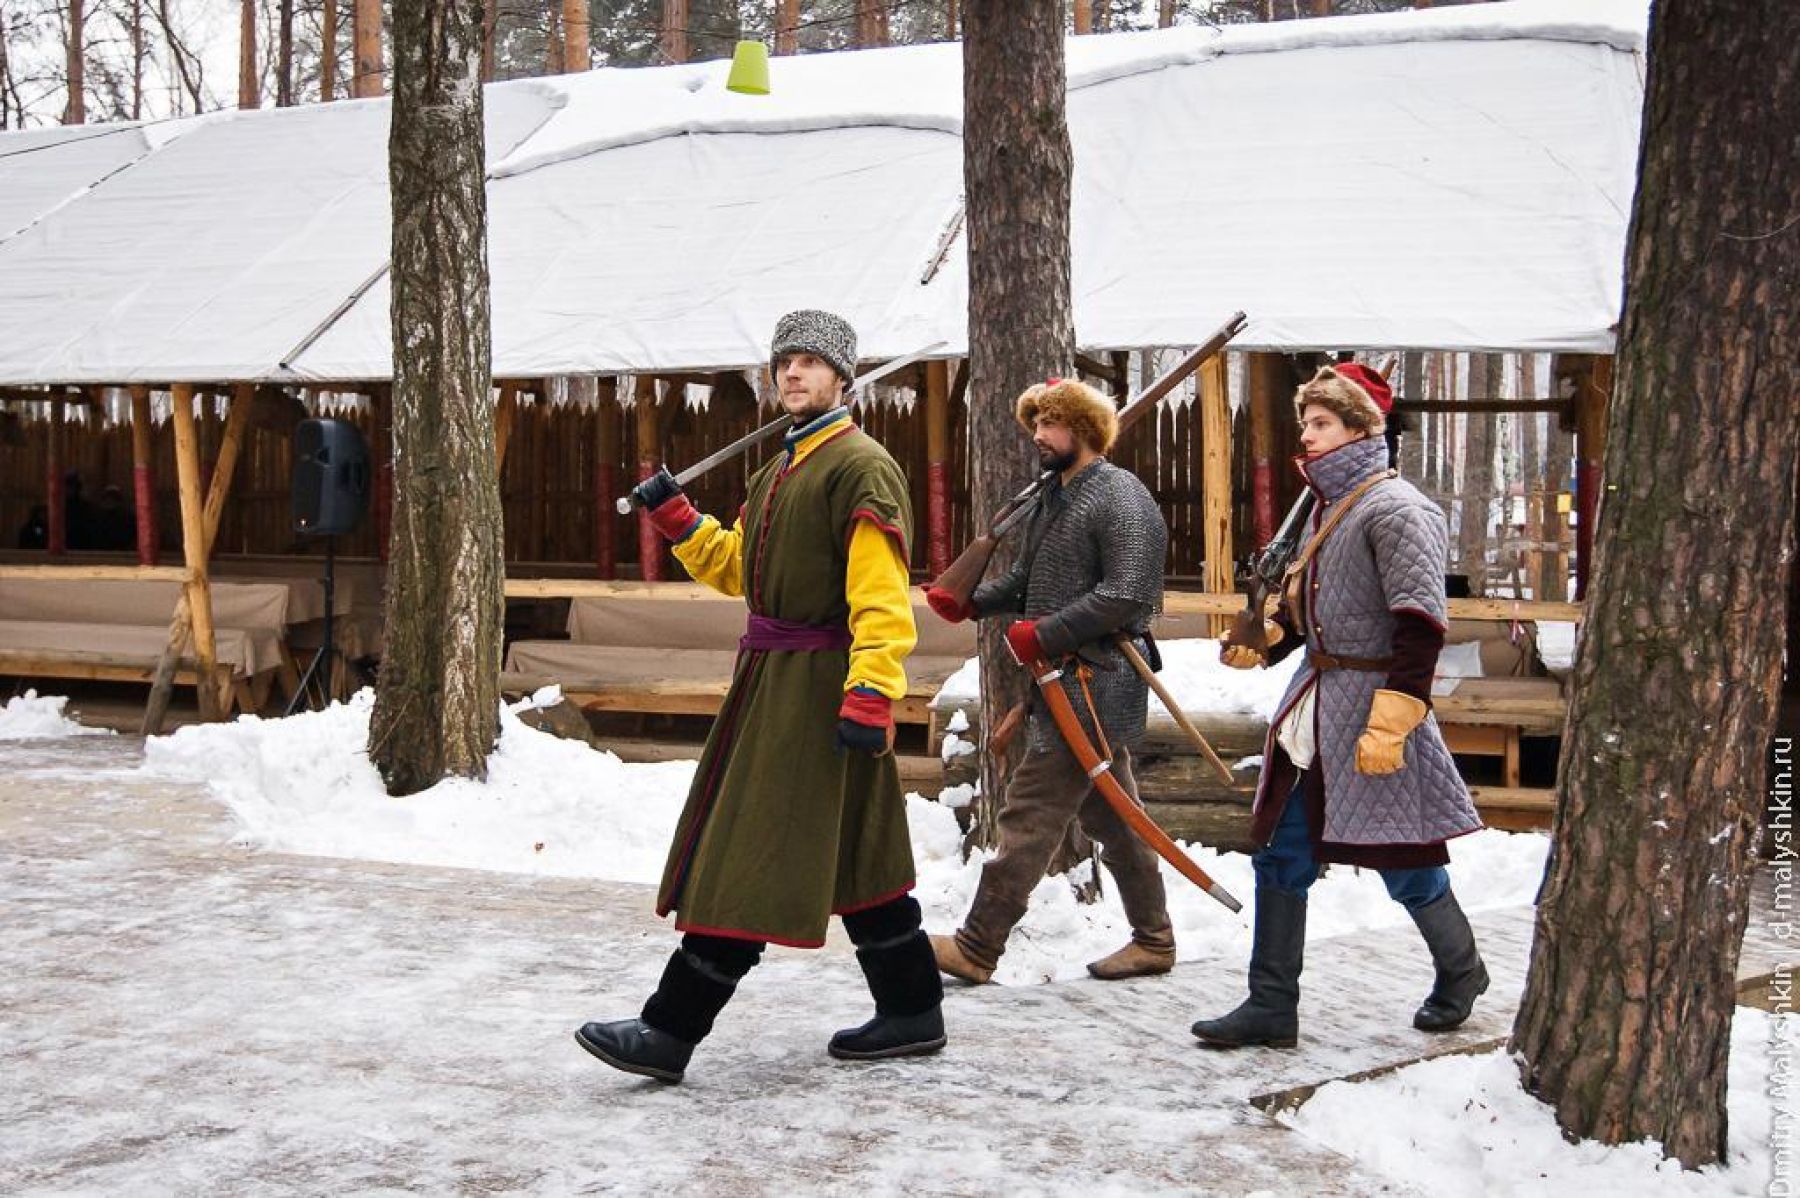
pixel 1268 574
pixel 964 574
pixel 780 424
pixel 1097 768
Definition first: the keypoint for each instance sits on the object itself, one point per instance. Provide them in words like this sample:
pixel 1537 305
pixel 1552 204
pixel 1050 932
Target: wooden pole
pixel 787 27
pixel 328 21
pixel 143 475
pixel 606 478
pixel 575 36
pixel 1264 377
pixel 371 76
pixel 1593 388
pixel 193 613
pixel 1215 479
pixel 649 457
pixel 193 549
pixel 939 551
pixel 381 402
pixel 249 93
pixel 57 540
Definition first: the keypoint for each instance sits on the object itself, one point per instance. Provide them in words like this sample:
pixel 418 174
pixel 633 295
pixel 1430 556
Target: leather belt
pixel 1337 661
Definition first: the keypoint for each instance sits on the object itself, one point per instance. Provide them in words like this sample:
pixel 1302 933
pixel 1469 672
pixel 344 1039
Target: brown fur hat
pixel 1341 393
pixel 1074 405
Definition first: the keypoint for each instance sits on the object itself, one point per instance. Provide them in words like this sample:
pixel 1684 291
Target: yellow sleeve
pixel 714 555
pixel 881 614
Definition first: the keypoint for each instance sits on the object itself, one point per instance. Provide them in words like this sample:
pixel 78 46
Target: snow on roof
pixel 1455 178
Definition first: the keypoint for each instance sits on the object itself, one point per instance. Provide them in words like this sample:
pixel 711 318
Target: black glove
pixel 861 738
pixel 657 490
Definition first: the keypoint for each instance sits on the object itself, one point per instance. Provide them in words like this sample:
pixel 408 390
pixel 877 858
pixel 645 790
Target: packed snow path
pixel 183 1014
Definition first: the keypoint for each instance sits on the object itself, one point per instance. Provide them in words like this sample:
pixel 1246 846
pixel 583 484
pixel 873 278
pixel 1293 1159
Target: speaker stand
pixel 319 670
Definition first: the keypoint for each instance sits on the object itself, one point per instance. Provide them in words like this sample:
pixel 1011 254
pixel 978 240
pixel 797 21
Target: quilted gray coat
pixel 1387 555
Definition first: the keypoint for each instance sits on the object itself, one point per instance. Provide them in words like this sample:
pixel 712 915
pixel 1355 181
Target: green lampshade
pixel 749 69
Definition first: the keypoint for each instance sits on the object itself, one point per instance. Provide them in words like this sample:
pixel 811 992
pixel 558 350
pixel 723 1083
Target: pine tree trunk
pixel 1626 1017
pixel 368 77
pixel 1016 171
pixel 249 93
pixel 437 703
pixel 75 113
pixel 328 23
pixel 284 55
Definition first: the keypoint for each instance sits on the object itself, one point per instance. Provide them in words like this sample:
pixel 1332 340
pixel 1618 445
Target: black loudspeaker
pixel 331 477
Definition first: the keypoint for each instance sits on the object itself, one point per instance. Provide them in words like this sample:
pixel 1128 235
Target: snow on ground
pixel 1192 672
pixel 1462 1125
pixel 31 716
pixel 557 807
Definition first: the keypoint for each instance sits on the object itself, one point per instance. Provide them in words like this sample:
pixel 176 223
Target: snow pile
pixel 1462 1125
pixel 31 716
pixel 1060 934
pixel 558 807
pixel 1192 673
pixel 549 806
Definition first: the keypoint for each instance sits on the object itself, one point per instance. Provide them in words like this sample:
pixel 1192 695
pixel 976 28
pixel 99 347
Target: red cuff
pixel 947 605
pixel 675 519
pixel 867 707
pixel 1022 635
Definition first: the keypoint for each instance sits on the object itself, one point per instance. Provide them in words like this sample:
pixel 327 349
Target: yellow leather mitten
pixel 1382 747
pixel 1243 657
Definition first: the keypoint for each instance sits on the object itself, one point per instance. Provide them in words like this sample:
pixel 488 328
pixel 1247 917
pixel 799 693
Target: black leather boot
pixel 1270 1016
pixel 698 981
pixel 636 1047
pixel 896 958
pixel 1461 975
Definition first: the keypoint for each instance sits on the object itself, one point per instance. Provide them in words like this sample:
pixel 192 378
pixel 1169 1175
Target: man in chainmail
pixel 1092 567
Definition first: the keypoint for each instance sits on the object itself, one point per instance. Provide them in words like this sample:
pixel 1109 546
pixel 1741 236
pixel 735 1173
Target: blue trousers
pixel 1287 862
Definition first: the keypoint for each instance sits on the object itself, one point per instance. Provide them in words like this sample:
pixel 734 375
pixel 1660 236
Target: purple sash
pixel 767 633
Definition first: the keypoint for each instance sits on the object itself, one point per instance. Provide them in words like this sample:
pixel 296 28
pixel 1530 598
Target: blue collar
pixel 794 436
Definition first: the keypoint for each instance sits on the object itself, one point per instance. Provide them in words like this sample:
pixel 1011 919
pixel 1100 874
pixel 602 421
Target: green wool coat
pixel 781 830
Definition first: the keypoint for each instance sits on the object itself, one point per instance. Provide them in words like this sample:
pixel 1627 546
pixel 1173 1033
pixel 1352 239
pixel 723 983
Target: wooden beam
pixel 143 475
pixel 939 551
pixel 58 538
pixel 193 548
pixel 1114 377
pixel 96 573
pixel 649 458
pixel 1215 480
pixel 1522 406
pixel 199 528
pixel 606 477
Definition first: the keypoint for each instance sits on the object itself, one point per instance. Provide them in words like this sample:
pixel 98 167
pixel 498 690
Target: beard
pixel 1050 459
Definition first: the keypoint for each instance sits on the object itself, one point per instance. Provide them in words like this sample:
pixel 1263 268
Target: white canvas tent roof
pixel 1457 179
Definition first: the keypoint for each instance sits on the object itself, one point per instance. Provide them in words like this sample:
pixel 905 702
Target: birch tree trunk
pixel 1625 1023
pixel 1016 171
pixel 437 701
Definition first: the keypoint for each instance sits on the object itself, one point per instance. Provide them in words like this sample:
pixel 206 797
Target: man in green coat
pixel 796 812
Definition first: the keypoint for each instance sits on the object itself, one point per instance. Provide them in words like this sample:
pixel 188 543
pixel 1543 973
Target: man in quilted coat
pixel 796 812
pixel 1355 769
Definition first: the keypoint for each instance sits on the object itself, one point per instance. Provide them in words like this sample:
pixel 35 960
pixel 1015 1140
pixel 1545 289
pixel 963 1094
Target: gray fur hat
pixel 810 331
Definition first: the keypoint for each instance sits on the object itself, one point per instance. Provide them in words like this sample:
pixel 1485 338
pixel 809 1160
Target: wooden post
pixel 57 540
pixel 505 412
pixel 249 91
pixel 143 475
pixel 937 467
pixel 649 457
pixel 328 52
pixel 606 477
pixel 1215 480
pixel 575 36
pixel 787 27
pixel 1264 378
pixel 371 76
pixel 193 550
pixel 674 30
pixel 1593 388
pixel 381 404
pixel 191 613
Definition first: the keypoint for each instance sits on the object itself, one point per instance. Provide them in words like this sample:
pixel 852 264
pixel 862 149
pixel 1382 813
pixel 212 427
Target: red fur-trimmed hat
pixel 1359 396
